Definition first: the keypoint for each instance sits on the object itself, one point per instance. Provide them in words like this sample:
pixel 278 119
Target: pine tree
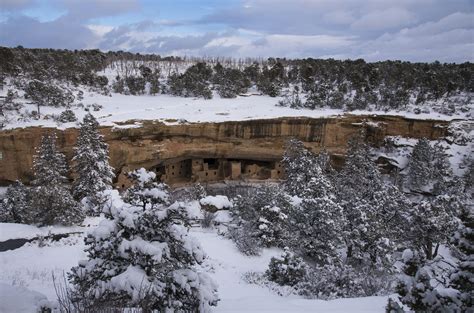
pixel 51 199
pixel 91 162
pixel 462 278
pixel 143 257
pixel 420 165
pixel 15 207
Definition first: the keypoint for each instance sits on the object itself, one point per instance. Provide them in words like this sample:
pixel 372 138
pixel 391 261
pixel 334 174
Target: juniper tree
pixel 431 223
pixel 442 174
pixel 16 206
pixel 420 165
pixel 142 256
pixel 373 210
pixel 318 221
pixel 262 219
pixel 231 82
pixel 287 269
pixel 91 162
pixel 462 278
pixel 415 289
pixel 300 166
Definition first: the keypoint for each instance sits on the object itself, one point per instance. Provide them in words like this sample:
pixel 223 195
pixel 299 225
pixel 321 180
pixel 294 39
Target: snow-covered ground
pixel 120 108
pixel 26 273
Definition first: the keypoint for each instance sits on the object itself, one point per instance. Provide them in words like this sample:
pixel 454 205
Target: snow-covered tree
pixel 420 165
pixel 15 207
pixel 142 256
pixel 49 165
pixel 415 289
pixel 91 162
pixel 288 269
pixel 51 199
pixel 263 216
pixel 462 279
pixel 300 166
pixel 442 174
pixel 432 222
pixel 318 222
pixel 146 192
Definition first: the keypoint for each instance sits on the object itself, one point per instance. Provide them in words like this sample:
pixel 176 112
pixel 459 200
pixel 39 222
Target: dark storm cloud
pixel 60 33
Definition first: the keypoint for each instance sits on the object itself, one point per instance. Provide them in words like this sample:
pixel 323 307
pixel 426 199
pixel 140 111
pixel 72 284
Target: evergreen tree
pixel 462 278
pixel 49 165
pixel 432 222
pixel 415 290
pixel 91 162
pixel 287 270
pixel 300 166
pixel 15 207
pixel 231 82
pixel 143 257
pixel 420 165
pixel 52 202
pixel 146 192
pixel 442 174
pixel 318 222
pixel 373 210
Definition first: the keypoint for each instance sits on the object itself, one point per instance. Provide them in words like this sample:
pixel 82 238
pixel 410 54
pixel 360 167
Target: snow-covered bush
pixel 344 281
pixel 16 205
pixel 287 269
pixel 245 242
pixel 142 256
pixel 207 219
pixel 416 291
pixel 66 116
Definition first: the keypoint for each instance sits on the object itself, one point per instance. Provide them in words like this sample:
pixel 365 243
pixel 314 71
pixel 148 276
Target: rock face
pixel 213 151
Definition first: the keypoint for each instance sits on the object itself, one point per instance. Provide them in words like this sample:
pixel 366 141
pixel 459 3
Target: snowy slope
pixel 119 108
pixel 31 267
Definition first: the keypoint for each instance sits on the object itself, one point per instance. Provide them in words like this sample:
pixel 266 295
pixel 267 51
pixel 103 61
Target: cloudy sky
pixel 413 30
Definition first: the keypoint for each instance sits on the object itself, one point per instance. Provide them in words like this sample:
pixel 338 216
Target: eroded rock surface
pixel 257 144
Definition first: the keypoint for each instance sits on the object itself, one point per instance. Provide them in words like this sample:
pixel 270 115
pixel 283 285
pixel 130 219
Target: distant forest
pixel 303 83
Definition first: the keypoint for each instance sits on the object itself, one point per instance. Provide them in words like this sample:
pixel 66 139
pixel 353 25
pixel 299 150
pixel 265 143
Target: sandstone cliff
pixel 156 144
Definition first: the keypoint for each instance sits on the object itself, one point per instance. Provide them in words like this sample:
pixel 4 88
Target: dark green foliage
pixel 193 83
pixel 231 82
pixel 67 116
